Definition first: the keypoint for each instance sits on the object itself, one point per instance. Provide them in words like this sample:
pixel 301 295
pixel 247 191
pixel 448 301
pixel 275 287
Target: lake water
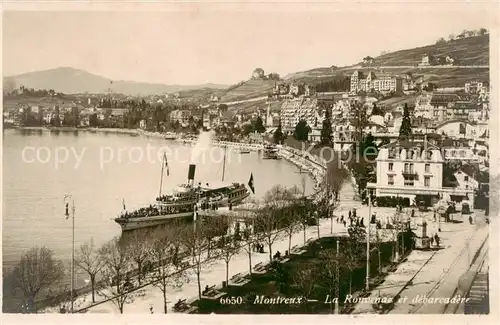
pixel 109 173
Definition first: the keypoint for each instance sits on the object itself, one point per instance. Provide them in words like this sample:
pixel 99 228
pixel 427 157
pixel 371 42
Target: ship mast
pixel 161 177
pixel 224 163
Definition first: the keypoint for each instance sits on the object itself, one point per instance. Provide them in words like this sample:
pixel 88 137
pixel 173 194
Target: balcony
pixel 408 172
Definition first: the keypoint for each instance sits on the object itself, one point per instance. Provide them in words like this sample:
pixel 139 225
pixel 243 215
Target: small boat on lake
pixel 270 152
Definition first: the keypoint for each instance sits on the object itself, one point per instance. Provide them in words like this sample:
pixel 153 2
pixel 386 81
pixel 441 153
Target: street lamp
pixel 368 240
pixel 66 198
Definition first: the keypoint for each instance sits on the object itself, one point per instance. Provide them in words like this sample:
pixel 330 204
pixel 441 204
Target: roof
pixel 468 170
pixel 438 99
pixel 459 143
pixel 214 185
pixel 408 144
pixel 453 121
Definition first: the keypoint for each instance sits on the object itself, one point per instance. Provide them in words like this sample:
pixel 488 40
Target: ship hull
pixel 145 222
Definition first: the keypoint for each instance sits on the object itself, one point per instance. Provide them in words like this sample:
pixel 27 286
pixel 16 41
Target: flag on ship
pixel 67 210
pixel 251 184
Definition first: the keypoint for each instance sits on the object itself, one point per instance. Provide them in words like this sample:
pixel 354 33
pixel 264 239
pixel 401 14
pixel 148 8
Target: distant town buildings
pixel 384 83
pixel 258 73
pixel 475 87
pixel 180 116
pixel 295 110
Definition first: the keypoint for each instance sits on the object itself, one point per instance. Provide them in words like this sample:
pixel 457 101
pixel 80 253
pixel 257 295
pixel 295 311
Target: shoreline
pixel 314 168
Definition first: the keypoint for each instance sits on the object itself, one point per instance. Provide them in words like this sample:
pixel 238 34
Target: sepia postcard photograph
pixel 222 158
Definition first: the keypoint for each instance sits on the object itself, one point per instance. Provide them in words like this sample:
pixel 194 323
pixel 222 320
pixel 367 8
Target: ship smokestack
pixel 191 172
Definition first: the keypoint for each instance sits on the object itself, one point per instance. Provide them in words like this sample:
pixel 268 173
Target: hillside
pixel 71 81
pixel 248 89
pixel 472 51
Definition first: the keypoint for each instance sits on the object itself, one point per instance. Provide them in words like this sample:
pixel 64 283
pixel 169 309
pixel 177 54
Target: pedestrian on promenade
pixel 432 240
pixel 350 213
pixel 470 219
pixel 151 309
pixel 435 216
pixel 345 223
pixel 436 238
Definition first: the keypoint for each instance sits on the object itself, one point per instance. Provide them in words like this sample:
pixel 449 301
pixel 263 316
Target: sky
pixel 223 44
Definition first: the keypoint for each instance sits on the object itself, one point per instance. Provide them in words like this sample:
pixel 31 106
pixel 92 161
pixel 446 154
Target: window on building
pixel 466 178
pixel 427 168
pixel 427 181
pixel 391 166
pixel 409 181
pixel 390 180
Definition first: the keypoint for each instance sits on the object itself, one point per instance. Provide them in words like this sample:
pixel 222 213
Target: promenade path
pixel 432 273
pixel 214 273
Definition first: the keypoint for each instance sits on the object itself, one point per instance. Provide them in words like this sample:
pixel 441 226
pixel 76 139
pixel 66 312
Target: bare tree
pixel 36 271
pixel 336 176
pixel 91 262
pixel 305 278
pixel 227 247
pixel 169 271
pixel 248 241
pixel 194 241
pixel 329 272
pixel 377 242
pixel 211 228
pixel 117 262
pixel 267 226
pixel 269 219
pixel 139 247
pixel 291 215
pixel 303 206
pixel 396 225
pixel 353 253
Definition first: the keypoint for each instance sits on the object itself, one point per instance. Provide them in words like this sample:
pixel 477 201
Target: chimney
pixel 191 172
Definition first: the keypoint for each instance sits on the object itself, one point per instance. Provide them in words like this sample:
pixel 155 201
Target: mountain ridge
pixel 71 80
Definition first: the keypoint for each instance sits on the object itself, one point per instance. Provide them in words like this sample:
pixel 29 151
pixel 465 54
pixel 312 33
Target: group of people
pixel 277 255
pixel 152 211
pixel 143 212
pixel 352 219
pixel 435 239
pixel 258 247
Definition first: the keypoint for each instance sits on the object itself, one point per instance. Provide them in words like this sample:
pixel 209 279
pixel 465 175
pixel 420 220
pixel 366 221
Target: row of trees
pixel 164 257
pixel 339 85
pixel 464 34
pixel 167 256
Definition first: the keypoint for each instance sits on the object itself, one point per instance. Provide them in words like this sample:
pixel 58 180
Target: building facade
pixel 382 82
pixel 407 169
pixel 295 110
pixel 181 116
